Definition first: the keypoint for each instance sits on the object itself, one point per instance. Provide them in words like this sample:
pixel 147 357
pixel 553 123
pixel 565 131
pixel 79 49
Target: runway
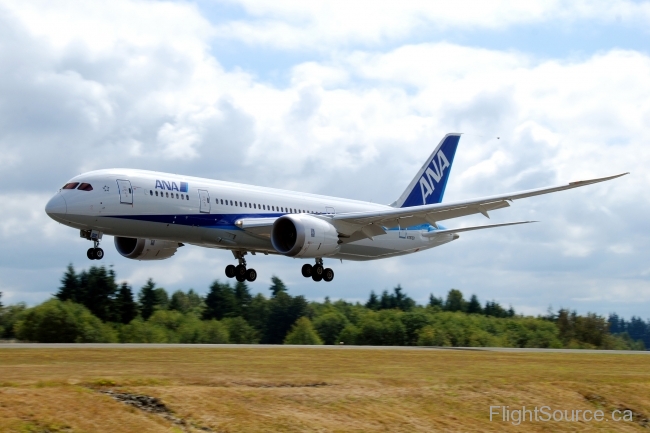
pixel 323 347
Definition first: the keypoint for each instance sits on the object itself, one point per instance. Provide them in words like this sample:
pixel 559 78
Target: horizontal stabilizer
pixel 468 229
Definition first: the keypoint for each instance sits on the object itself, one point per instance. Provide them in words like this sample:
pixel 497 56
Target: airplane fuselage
pixel 162 206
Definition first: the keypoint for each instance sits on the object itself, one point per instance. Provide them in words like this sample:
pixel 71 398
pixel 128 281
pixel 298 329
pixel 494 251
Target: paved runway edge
pixel 281 347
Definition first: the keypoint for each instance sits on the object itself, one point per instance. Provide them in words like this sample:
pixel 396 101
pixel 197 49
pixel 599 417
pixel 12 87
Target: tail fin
pixel 428 186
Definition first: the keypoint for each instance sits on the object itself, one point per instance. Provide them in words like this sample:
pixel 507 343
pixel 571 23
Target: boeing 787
pixel 151 214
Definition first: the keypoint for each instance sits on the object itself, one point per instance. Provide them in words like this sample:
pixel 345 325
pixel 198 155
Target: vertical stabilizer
pixel 428 186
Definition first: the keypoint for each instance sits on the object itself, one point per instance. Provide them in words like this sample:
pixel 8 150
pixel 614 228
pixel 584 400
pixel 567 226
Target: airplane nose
pixel 56 205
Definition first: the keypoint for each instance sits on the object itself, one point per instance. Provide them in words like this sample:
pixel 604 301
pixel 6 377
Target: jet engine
pixel 300 235
pixel 145 249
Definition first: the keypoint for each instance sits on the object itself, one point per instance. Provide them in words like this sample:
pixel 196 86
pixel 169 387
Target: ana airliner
pixel 152 214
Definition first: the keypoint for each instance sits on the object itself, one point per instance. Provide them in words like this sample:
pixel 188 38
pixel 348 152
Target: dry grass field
pixel 304 389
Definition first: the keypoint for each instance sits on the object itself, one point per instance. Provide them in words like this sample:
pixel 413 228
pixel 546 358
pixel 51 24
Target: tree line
pixel 90 306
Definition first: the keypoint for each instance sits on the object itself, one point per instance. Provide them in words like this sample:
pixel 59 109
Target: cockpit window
pixel 71 185
pixel 85 187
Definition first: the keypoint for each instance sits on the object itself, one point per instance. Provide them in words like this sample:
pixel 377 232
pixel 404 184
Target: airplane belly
pixel 391 244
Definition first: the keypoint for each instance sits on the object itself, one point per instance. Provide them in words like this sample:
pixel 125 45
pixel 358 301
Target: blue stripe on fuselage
pixel 226 220
pixel 196 220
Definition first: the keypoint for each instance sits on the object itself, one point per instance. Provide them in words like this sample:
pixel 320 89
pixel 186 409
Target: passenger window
pixel 245 205
pixel 150 192
pixel 177 196
pixel 88 187
pixel 156 193
pixel 167 194
pixel 71 185
pixel 221 201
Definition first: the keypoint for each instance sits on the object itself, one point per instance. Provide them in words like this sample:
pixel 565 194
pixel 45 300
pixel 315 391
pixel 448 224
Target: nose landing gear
pixel 94 253
pixel 317 272
pixel 240 272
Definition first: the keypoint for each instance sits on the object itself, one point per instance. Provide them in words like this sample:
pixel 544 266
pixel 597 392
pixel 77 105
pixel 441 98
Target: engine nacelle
pixel 300 235
pixel 145 249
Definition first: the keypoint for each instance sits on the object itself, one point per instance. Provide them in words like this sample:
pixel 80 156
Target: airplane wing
pixel 358 225
pixel 371 223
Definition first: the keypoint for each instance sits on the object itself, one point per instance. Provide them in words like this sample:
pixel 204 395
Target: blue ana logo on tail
pixel 428 185
pixel 171 186
pixel 432 175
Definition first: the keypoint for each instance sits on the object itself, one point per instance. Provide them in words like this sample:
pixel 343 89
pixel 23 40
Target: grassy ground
pixel 292 390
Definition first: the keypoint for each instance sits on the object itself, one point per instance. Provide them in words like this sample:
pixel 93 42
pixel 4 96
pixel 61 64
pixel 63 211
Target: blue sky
pixel 342 98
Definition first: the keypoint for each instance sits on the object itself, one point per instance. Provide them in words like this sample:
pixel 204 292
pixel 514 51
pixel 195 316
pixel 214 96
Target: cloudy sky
pixel 342 98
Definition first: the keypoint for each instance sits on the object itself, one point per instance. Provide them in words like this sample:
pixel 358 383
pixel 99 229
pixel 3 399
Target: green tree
pixel 9 315
pixel 413 321
pixel 220 302
pixel 494 309
pixel 329 326
pixel 349 335
pixel 302 332
pixel 373 301
pixel 284 310
pixel 243 299
pixel 382 329
pixel 186 302
pixel 258 313
pixel 239 331
pixel 474 306
pixel 162 298
pixel 140 331
pixel 62 322
pixel 69 289
pixel 198 331
pixel 214 332
pixel 430 336
pixel 277 286
pixel 98 288
pixel 435 302
pixel 148 299
pixel 125 307
pixel 455 301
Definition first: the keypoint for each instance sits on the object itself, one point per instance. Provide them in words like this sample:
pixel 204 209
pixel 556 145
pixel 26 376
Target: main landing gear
pixel 317 272
pixel 94 253
pixel 240 272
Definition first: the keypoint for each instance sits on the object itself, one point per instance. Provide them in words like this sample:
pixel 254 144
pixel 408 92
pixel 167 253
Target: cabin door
pixel 126 192
pixel 205 201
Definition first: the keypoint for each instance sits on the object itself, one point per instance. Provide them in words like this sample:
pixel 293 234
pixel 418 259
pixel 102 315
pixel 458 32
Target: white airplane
pixel 152 214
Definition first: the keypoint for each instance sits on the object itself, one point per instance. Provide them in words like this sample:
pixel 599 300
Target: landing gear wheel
pixel 306 270
pixel 328 275
pixel 251 275
pixel 230 271
pixel 99 254
pixel 91 253
pixel 240 278
pixel 240 271
pixel 317 272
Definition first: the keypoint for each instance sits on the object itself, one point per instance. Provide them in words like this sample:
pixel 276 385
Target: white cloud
pixel 322 25
pixel 148 92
